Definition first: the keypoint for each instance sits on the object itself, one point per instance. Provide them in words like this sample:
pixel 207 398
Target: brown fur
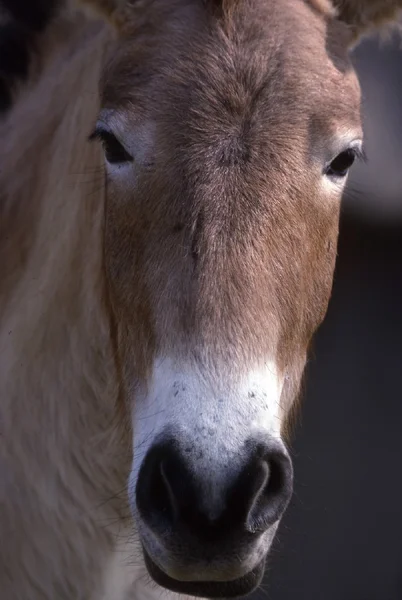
pixel 222 110
pixel 221 247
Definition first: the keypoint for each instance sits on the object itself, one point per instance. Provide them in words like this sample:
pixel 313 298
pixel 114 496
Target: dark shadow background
pixel 341 538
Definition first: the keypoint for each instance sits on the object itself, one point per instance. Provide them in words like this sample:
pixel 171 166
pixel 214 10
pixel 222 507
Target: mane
pixel 22 24
pixel 225 8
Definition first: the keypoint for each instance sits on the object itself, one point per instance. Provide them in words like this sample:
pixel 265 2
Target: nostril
pixel 154 494
pixel 271 491
pixel 170 497
pixel 161 501
pixel 173 480
pixel 164 488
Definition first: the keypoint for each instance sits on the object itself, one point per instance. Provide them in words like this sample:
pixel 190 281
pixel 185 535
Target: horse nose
pixel 171 496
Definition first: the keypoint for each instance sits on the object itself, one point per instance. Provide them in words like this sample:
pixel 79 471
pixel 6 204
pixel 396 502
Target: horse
pixel 170 183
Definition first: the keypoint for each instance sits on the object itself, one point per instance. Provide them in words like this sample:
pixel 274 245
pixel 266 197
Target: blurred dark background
pixel 341 538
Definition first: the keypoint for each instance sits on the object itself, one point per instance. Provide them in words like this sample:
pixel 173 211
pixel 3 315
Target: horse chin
pixel 207 589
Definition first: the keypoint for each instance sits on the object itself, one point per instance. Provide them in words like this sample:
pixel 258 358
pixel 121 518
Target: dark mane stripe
pixel 21 23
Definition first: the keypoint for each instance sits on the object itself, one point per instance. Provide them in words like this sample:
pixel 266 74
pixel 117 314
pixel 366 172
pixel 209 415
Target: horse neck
pixel 56 368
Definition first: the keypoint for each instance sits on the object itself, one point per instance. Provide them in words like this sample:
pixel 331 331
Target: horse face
pixel 228 133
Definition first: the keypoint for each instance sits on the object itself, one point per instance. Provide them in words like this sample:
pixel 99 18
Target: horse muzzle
pixel 206 532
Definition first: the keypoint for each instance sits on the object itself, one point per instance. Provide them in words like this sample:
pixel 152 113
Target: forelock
pixel 223 7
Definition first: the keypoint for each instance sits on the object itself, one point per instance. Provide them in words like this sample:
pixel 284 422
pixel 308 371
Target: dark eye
pixel 115 153
pixel 341 164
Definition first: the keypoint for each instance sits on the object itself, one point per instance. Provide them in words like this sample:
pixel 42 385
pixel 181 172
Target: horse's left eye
pixel 115 153
pixel 341 164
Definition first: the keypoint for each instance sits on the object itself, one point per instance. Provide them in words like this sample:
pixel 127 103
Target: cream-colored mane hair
pixel 56 406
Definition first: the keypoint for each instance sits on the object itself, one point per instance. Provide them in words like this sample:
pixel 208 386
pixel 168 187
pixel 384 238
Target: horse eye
pixel 115 153
pixel 340 166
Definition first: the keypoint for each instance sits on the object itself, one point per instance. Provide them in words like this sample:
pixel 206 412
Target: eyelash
pixel 350 155
pixel 115 152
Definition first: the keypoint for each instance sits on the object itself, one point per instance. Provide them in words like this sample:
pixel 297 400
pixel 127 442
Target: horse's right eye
pixel 341 164
pixel 115 153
